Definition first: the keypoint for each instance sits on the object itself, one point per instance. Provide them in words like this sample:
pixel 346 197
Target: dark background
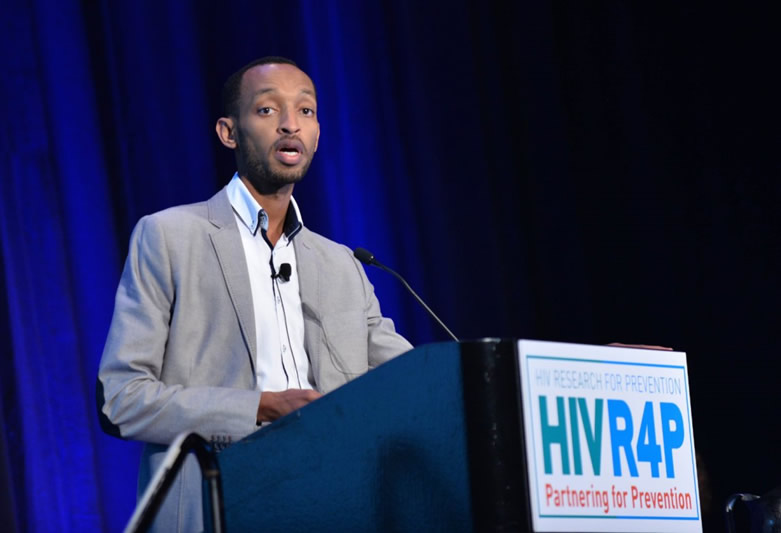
pixel 587 172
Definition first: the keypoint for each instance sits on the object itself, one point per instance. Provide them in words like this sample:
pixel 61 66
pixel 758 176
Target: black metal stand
pixel 153 497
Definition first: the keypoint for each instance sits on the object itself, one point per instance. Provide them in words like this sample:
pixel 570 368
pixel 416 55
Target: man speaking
pixel 230 312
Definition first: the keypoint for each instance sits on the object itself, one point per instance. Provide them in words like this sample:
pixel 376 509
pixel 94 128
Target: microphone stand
pixel 365 256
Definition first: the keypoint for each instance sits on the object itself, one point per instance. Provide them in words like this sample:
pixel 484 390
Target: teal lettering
pixel 593 435
pixel 621 438
pixel 648 450
pixel 671 438
pixel 573 426
pixel 554 435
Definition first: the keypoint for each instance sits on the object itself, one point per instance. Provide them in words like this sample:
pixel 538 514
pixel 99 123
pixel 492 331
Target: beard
pixel 259 173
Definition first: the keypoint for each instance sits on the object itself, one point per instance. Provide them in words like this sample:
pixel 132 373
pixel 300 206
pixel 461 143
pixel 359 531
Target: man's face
pixel 277 129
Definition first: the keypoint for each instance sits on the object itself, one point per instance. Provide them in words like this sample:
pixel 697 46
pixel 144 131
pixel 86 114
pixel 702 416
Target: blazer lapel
pixel 309 288
pixel 230 254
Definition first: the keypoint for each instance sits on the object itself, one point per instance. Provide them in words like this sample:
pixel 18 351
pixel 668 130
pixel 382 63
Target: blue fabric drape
pixel 61 260
pixel 578 172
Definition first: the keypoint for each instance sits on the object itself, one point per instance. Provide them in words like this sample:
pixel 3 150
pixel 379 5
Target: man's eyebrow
pixel 263 91
pixel 308 92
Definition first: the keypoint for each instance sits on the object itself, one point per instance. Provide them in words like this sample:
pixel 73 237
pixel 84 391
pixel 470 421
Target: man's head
pixel 270 119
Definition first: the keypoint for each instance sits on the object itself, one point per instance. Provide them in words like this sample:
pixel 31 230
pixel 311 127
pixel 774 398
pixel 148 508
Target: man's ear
pixel 226 131
pixel 317 140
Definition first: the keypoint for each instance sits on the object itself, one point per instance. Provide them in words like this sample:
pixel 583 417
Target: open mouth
pixel 289 151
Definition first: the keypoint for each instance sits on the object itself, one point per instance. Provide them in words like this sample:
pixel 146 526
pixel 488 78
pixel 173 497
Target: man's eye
pixel 264 111
pixel 308 112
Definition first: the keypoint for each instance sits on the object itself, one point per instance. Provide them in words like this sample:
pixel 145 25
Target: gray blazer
pixel 181 349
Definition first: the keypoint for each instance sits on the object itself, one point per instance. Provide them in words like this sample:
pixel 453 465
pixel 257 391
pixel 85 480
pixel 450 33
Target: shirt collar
pixel 252 214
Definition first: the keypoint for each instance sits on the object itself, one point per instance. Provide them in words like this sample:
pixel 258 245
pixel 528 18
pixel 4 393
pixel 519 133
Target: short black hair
pixel 231 89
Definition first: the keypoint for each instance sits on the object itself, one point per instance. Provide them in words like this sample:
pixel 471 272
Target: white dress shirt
pixel 282 362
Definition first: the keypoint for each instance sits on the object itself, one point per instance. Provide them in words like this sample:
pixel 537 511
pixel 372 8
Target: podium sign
pixel 609 441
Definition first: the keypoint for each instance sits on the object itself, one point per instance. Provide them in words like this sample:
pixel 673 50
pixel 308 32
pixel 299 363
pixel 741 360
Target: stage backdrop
pixel 572 172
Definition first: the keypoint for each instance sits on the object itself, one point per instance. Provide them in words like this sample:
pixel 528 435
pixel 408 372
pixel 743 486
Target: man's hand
pixel 275 405
pixel 643 346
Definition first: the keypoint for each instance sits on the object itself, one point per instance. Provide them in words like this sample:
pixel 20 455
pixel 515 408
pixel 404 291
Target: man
pixel 230 313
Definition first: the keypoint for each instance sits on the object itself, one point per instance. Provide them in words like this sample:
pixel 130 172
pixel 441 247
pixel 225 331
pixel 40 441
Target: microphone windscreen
pixel 364 256
pixel 284 271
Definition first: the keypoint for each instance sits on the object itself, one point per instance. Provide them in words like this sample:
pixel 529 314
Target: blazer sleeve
pixel 133 402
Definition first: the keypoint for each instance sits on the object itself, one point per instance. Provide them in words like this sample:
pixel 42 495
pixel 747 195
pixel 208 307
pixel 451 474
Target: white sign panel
pixel 608 439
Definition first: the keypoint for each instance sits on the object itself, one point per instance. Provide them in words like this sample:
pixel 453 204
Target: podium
pixel 435 440
pixel 430 441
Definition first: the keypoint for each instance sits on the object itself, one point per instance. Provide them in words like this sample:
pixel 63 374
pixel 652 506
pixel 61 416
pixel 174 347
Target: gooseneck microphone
pixel 366 257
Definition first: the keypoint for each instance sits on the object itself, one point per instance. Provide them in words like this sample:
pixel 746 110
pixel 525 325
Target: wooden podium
pixel 430 441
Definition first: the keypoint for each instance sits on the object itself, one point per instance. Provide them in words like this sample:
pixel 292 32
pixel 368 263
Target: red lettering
pixel 670 499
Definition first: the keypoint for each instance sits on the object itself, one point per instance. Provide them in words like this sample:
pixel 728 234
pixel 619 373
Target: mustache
pixel 289 142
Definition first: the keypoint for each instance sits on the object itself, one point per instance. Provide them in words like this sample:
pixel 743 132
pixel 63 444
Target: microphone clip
pixel 285 271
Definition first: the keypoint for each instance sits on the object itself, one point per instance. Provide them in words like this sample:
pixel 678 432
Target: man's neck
pixel 275 205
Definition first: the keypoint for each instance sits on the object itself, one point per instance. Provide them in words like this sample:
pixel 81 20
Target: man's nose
pixel 288 123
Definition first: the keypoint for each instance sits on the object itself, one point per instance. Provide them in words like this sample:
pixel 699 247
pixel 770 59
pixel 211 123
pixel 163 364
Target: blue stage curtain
pixel 570 171
pixel 111 109
pixel 61 259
